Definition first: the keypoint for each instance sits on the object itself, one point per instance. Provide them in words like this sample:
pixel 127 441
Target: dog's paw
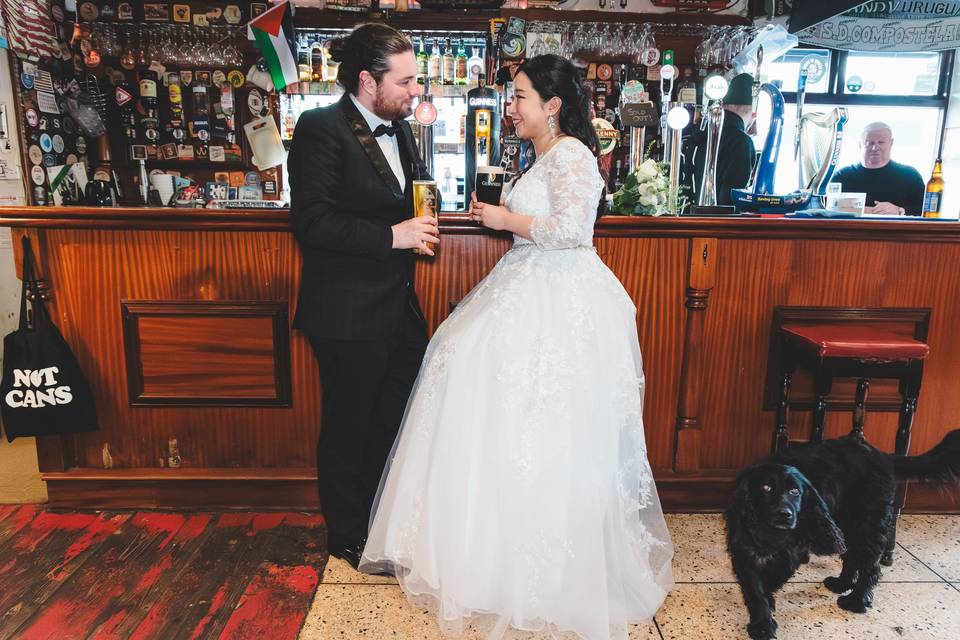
pixel 804 557
pixel 762 629
pixel 772 602
pixel 853 604
pixel 836 585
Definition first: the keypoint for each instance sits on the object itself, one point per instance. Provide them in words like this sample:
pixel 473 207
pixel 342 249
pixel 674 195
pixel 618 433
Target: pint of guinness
pixel 489 184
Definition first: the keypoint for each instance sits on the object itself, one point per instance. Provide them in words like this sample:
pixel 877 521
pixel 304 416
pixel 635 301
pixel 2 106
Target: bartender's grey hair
pixel 875 126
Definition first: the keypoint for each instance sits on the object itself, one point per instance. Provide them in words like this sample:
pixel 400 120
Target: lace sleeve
pixel 574 184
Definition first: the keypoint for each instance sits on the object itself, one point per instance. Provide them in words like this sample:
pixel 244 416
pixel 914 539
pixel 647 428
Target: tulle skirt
pixel 518 493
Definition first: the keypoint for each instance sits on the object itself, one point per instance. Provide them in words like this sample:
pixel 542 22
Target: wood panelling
pixel 189 353
pixel 754 265
pixel 754 277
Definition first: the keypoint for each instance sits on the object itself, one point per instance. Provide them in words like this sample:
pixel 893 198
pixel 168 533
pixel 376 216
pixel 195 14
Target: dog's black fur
pixel 830 497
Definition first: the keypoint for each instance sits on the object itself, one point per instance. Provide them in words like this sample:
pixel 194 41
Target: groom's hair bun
pixel 367 48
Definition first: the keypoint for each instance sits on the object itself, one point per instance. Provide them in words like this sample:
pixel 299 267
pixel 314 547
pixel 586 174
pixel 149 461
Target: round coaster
pixel 236 78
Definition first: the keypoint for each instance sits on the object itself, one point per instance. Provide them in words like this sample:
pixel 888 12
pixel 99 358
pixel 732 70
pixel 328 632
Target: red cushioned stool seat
pixel 844 340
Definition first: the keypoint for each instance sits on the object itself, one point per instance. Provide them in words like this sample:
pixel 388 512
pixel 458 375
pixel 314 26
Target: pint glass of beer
pixel 489 184
pixel 425 203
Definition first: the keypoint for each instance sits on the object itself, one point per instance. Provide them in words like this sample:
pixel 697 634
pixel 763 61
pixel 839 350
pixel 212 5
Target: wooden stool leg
pixel 781 437
pixel 909 391
pixel 823 382
pixel 860 409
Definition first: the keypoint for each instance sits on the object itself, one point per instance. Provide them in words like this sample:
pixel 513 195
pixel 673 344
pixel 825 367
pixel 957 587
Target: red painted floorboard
pixel 105 576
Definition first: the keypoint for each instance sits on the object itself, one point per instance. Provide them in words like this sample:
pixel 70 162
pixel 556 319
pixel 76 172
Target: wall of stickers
pixel 169 80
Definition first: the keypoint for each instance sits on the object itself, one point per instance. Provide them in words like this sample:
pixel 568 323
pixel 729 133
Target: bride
pixel 518 493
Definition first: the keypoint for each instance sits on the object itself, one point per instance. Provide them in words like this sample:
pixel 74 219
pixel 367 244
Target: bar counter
pixel 181 320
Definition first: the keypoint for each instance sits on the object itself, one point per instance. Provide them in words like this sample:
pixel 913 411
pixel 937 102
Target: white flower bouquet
pixel 645 192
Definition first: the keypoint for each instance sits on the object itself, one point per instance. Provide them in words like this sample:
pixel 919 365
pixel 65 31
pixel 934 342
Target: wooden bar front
pixel 181 320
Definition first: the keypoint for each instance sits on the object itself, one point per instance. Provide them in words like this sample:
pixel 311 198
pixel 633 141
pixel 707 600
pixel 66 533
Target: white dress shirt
pixel 389 145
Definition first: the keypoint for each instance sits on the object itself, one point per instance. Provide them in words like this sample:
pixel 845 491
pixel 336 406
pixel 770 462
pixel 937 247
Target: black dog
pixel 824 498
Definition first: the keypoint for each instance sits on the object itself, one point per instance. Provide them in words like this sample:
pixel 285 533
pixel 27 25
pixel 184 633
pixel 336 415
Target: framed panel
pixel 207 353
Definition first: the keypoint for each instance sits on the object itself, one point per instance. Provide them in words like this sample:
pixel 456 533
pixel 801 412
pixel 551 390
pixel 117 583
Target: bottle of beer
pixel 933 197
pixel 449 64
pixel 434 65
pixel 422 66
pixel 461 64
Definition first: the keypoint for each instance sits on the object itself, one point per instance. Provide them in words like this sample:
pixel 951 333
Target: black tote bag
pixel 43 391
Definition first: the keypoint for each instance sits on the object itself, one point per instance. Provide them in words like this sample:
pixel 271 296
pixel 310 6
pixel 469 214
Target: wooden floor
pixel 102 575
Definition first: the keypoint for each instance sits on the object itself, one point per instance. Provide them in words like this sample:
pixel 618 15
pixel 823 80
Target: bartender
pixel 736 153
pixel 892 188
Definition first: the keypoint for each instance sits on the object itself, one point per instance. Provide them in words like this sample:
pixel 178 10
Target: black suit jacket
pixel 344 199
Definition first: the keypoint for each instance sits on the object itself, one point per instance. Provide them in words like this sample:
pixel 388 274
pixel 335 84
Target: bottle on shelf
pixel 933 198
pixel 289 120
pixel 461 65
pixel 687 88
pixel 422 65
pixel 434 65
pixel 474 67
pixel 318 63
pixel 332 65
pixel 148 89
pixel 449 64
pixel 304 71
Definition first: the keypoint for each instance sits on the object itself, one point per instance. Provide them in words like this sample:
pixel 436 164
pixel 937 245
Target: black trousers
pixel 366 384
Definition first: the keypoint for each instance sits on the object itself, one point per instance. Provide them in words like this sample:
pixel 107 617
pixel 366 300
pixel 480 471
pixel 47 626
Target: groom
pixel 351 166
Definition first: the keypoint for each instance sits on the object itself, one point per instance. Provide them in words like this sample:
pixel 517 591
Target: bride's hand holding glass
pixel 489 215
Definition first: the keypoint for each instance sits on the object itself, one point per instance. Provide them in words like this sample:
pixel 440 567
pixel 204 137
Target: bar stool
pixel 830 350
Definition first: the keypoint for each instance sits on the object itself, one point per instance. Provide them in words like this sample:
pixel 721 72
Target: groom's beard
pixel 391 110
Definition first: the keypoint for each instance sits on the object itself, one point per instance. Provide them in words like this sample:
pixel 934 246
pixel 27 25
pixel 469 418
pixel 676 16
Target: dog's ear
pixel 742 512
pixel 816 523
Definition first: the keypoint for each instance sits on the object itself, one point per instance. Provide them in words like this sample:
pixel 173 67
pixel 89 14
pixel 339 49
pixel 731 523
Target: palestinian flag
pixel 273 33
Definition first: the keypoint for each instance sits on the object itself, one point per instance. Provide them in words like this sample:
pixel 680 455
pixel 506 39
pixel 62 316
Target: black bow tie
pixel 386 130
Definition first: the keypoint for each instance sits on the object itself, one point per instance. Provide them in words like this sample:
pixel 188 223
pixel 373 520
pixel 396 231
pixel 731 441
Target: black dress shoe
pixel 349 552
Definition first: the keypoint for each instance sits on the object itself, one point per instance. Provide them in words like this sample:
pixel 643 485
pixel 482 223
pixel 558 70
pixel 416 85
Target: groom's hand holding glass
pixel 417 233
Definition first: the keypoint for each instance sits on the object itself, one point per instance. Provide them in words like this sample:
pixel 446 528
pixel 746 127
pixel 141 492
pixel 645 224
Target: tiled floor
pixel 919 596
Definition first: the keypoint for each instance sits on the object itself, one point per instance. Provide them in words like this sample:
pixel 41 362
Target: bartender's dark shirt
pixel 735 157
pixel 894 182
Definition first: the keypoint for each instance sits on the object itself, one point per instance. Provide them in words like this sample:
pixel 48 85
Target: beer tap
pixel 667 74
pixel 715 89
pixel 677 119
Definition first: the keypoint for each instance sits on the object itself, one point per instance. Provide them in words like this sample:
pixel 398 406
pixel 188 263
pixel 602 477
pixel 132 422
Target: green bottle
pixel 422 61
pixel 461 64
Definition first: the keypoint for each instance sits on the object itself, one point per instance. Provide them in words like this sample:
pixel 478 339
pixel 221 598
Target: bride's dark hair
pixel 552 76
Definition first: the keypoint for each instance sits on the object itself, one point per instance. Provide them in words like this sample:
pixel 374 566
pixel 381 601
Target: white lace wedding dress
pixel 519 492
